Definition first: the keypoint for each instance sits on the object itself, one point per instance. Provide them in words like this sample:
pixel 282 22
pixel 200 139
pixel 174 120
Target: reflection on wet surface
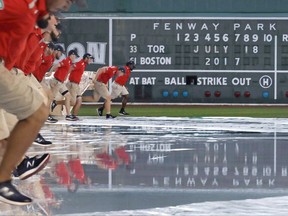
pixel 100 165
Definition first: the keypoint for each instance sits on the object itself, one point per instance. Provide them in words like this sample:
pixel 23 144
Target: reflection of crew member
pixel 111 155
pixel 103 159
pixel 122 156
pixel 64 177
pixel 49 194
pixel 106 161
pixel 77 170
pixel 71 174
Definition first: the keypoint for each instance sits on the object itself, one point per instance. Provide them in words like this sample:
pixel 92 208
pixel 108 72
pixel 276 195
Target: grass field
pixel 194 111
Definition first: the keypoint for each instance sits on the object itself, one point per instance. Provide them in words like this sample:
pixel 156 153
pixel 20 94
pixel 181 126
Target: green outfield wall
pixel 184 6
pixel 189 51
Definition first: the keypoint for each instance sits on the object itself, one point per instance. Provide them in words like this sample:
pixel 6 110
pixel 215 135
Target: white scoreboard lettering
pixel 206 44
pixel 176 49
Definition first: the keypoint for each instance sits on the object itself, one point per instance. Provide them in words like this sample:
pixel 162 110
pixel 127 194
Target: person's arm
pixel 99 71
pixel 53 69
pixel 72 67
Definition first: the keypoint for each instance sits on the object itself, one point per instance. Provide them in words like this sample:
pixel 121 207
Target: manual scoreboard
pixel 195 59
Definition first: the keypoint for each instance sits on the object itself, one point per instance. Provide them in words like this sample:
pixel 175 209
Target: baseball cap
pixel 59 27
pixel 51 45
pixel 59 48
pixel 131 63
pixel 73 52
pixel 88 55
pixel 122 69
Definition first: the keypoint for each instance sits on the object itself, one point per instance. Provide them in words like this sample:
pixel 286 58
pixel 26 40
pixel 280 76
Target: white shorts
pixel 118 90
pixel 74 90
pixel 35 84
pixel 45 85
pixel 17 96
pixel 100 90
pixel 57 86
pixel 8 122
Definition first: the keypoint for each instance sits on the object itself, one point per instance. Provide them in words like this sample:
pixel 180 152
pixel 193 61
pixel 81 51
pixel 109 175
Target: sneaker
pixel 122 112
pixel 76 117
pixel 71 118
pixel 100 111
pixel 10 195
pixel 50 119
pixel 31 166
pixel 109 116
pixel 53 105
pixel 41 141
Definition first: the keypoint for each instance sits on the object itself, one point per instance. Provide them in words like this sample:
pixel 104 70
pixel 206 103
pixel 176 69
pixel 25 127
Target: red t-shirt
pixel 30 65
pixel 63 174
pixel 38 63
pixel 122 80
pixel 77 169
pixel 108 74
pixel 32 44
pixel 17 21
pixel 47 62
pixel 76 74
pixel 46 189
pixel 62 71
pixel 122 154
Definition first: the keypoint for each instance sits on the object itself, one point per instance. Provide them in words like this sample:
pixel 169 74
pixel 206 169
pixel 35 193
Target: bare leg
pixel 103 106
pixel 77 106
pixel 92 98
pixel 67 103
pixel 107 105
pixel 124 101
pixel 20 140
pixel 3 146
pixel 50 96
